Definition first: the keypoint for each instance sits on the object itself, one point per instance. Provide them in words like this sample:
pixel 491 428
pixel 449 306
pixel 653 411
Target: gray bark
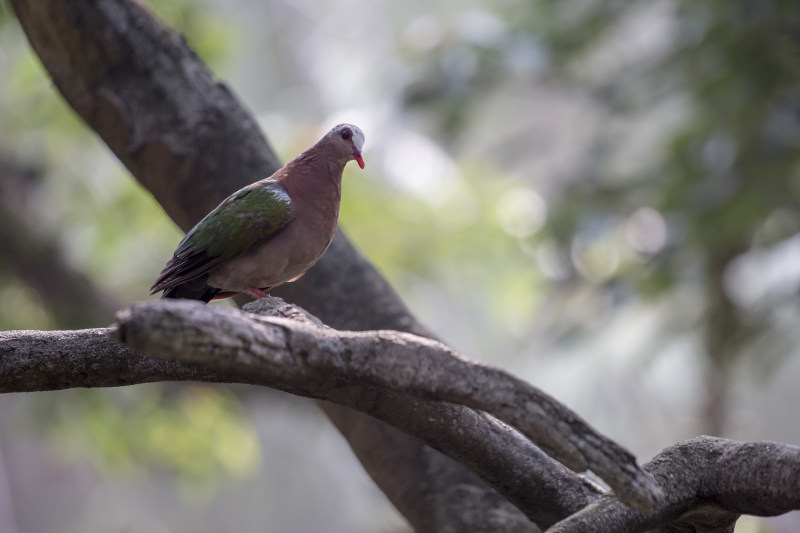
pixel 305 358
pixel 707 482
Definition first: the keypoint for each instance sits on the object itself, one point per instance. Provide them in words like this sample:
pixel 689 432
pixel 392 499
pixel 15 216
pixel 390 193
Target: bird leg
pixel 259 293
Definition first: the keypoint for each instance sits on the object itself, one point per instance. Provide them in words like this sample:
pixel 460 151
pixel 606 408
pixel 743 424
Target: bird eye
pixel 346 134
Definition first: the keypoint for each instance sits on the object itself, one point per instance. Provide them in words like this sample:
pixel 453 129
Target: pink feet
pixel 258 293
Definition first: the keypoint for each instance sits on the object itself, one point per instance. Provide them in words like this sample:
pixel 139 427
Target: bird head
pixel 348 140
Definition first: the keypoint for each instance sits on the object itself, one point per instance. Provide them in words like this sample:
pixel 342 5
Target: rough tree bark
pixel 190 143
pixel 708 482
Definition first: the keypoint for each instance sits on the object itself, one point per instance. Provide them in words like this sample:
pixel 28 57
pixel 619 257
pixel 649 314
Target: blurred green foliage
pixel 196 434
pixel 23 309
pixel 726 178
pixel 410 239
pixel 724 175
pixel 209 35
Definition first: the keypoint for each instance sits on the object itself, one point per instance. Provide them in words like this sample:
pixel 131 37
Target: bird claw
pixel 258 293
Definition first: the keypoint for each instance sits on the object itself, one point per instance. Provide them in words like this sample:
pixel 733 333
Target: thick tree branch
pixel 55 360
pixel 33 360
pixel 708 483
pixel 306 359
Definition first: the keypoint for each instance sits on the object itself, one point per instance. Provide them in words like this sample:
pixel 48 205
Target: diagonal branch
pixel 308 359
pixel 542 488
pixel 708 482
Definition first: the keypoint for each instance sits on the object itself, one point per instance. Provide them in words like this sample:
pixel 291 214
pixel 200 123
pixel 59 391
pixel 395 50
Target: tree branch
pixel 298 356
pixel 708 482
pixel 307 359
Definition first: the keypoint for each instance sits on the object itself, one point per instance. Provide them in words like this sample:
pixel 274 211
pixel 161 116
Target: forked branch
pixel 289 351
pixel 708 483
pixel 309 359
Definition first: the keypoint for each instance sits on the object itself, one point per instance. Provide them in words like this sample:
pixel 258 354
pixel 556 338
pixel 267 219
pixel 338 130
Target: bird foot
pixel 258 293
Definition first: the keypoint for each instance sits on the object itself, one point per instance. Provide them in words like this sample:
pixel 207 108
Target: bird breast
pixel 282 258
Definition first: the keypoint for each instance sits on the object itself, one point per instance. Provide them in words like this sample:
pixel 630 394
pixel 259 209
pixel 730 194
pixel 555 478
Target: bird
pixel 267 233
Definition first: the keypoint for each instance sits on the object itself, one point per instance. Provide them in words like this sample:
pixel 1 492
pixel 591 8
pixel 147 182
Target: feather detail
pixel 182 268
pixel 249 216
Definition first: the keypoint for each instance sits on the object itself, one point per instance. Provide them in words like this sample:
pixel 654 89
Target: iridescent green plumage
pixel 243 219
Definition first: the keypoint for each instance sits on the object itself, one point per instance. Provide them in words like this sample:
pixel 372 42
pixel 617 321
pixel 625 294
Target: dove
pixel 267 233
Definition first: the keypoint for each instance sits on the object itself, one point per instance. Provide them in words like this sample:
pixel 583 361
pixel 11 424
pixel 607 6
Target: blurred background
pixel 601 197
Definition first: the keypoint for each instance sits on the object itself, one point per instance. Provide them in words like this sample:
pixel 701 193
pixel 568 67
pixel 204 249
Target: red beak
pixel 359 159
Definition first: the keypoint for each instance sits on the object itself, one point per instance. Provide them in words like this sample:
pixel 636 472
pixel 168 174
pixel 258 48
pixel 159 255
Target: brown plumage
pixel 268 233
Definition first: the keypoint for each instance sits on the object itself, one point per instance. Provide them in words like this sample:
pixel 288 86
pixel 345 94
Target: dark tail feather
pixel 194 289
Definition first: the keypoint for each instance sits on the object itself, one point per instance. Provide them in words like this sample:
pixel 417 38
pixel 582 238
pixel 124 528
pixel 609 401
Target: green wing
pixel 248 216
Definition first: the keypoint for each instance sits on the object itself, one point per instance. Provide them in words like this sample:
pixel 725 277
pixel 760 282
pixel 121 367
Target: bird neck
pixel 316 175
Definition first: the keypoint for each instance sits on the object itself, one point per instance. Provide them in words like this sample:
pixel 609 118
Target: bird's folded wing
pixel 247 217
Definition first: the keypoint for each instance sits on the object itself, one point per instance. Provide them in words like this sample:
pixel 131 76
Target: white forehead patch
pixel 358 135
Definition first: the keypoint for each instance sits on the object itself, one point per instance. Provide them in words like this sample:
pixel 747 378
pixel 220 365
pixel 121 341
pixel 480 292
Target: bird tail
pixel 194 289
